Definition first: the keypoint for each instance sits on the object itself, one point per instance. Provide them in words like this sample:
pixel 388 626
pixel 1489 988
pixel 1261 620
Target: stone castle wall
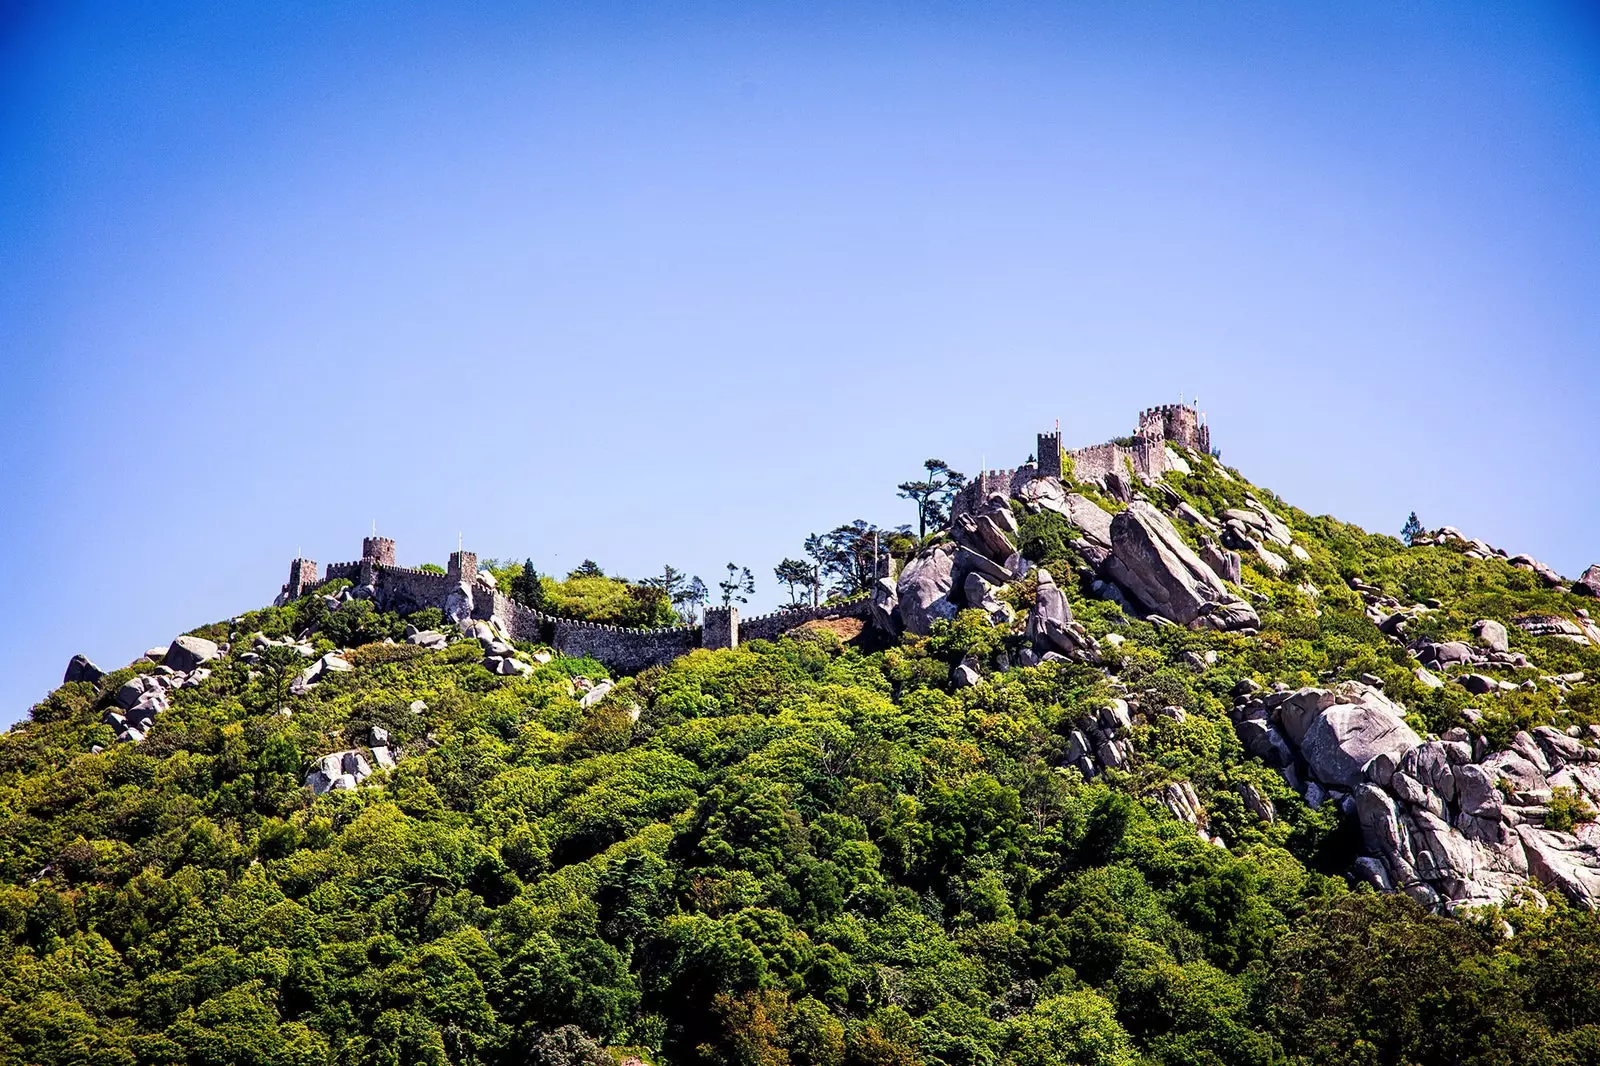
pixel 1146 453
pixel 625 650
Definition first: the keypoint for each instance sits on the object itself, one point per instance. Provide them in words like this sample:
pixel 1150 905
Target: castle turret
pixel 379 549
pixel 1049 453
pixel 720 629
pixel 302 576
pixel 463 566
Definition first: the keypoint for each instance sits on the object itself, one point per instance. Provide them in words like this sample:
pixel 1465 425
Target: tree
pixel 587 568
pixel 670 581
pixel 527 588
pixel 933 494
pixel 849 554
pixel 738 586
pixel 1411 530
pixel 690 599
pixel 280 663
pixel 799 576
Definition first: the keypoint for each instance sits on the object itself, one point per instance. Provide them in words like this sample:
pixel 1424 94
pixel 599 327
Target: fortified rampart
pixel 1145 453
pixel 620 648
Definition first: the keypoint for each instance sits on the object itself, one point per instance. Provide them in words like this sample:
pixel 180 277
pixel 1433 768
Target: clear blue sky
pixel 682 283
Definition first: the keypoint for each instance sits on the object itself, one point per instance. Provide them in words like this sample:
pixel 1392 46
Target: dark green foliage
pixel 527 588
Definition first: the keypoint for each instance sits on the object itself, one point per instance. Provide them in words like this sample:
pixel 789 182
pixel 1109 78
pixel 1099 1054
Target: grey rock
pixel 79 668
pixel 1479 684
pixel 428 638
pixel 1228 565
pixel 885 606
pixel 1118 486
pixel 1051 627
pixel 924 589
pixel 965 675
pixel 596 694
pixel 187 653
pixel 983 533
pixel 968 561
pixel 1491 634
pixel 1256 803
pixel 1153 564
pixel 1589 583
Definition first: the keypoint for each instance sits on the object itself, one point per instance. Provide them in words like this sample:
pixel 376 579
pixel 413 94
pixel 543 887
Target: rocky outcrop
pixel 1442 821
pixel 344 771
pixel 79 668
pixel 330 663
pixel 1589 583
pixel 924 589
pixel 190 653
pixel 1153 565
pixel 886 606
pixel 1050 624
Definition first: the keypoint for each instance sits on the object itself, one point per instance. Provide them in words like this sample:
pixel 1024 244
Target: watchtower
pixel 379 549
pixel 463 566
pixel 1175 422
pixel 720 628
pixel 1049 454
pixel 302 576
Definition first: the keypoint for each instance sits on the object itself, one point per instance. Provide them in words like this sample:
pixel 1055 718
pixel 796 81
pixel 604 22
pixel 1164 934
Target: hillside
pixel 1130 765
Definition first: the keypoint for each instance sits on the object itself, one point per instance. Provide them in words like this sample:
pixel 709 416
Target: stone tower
pixel 720 628
pixel 1175 423
pixel 463 566
pixel 379 549
pixel 302 576
pixel 1049 454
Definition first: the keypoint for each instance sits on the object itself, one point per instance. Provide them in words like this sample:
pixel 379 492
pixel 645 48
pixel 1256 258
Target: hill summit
pixel 1121 759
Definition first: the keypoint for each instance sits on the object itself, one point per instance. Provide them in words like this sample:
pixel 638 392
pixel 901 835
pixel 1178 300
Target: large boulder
pixel 79 668
pixel 985 534
pixel 188 653
pixel 1492 634
pixel 1156 568
pixel 1589 583
pixel 1341 739
pixel 924 589
pixel 1050 624
pixel 1094 520
pixel 885 606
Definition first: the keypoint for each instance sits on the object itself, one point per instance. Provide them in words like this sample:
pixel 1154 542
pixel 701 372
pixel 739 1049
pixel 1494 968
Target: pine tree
pixel 527 589
pixel 1411 530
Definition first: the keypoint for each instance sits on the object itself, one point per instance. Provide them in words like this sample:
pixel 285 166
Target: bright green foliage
pixel 798 853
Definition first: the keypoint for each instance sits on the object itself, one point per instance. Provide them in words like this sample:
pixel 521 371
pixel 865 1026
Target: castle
pixel 1146 452
pixel 462 593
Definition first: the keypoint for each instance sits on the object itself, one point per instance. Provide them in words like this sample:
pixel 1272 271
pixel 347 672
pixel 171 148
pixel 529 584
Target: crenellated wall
pixel 1146 453
pixel 622 649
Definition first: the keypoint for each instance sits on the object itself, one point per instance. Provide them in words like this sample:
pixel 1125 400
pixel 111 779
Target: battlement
pixel 1176 423
pixel 621 648
pixel 379 549
pixel 1145 454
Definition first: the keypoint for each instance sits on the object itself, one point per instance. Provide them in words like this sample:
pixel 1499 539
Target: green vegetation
pixel 798 853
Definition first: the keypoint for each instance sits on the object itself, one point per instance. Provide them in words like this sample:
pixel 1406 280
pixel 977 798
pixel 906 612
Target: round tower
pixel 379 550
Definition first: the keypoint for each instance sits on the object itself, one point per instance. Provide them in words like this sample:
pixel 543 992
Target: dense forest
pixel 817 851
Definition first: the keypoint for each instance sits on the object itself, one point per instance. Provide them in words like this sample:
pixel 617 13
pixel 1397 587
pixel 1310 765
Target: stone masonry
pixel 1177 425
pixel 620 648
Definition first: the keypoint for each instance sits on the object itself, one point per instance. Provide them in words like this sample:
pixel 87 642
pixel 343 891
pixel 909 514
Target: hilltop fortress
pixel 463 594
pixel 1147 453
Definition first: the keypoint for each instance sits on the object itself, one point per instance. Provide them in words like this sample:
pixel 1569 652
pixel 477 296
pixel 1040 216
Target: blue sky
pixel 681 283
